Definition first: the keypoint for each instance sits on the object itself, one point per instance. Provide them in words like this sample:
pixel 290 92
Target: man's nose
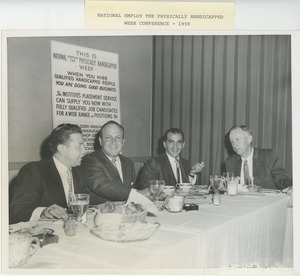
pixel 176 145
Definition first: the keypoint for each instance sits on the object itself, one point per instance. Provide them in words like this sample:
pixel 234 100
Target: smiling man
pixel 42 188
pixel 170 166
pixel 108 174
pixel 263 164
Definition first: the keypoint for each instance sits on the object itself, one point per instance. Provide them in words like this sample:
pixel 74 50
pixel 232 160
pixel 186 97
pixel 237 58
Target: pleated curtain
pixel 207 84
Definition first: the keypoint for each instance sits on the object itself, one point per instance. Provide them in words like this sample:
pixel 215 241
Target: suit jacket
pixel 267 168
pixel 103 180
pixel 39 185
pixel 159 168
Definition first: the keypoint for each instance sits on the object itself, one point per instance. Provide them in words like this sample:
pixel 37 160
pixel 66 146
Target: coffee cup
pixel 21 248
pixel 185 187
pixel 168 190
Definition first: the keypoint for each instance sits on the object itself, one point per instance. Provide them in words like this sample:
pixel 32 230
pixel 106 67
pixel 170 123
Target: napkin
pixel 137 197
pixel 23 226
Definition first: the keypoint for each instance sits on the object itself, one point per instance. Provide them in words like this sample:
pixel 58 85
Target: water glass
pixel 79 204
pixel 232 186
pixel 156 188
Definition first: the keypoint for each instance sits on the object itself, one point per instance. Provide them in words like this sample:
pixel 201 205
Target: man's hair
pixel 174 131
pixel 61 135
pixel 242 127
pixel 111 122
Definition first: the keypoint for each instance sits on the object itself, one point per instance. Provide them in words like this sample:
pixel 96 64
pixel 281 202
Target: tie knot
pixel 114 161
pixel 177 162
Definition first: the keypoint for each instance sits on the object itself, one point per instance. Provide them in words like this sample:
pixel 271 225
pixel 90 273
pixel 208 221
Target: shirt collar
pixel 110 158
pixel 59 165
pixel 171 158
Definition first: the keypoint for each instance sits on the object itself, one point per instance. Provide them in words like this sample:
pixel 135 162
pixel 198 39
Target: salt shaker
pixel 216 199
pixel 70 226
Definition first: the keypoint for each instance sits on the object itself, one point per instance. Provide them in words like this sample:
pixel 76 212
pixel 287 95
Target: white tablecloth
pixel 244 231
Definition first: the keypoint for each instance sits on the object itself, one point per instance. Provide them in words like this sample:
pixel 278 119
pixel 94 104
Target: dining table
pixel 247 230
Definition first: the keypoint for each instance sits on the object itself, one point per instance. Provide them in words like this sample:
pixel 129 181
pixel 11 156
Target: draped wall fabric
pixel 207 84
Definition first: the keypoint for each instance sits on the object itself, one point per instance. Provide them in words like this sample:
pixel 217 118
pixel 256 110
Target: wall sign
pixel 85 88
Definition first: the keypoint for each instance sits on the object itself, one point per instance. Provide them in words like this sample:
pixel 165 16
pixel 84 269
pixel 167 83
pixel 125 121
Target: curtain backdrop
pixel 207 84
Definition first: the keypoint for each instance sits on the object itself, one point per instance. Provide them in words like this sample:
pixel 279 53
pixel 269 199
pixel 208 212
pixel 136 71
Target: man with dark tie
pixel 42 188
pixel 108 174
pixel 170 166
pixel 262 164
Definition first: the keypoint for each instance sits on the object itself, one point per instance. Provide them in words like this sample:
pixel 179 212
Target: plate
pixel 126 232
pixel 269 191
pixel 251 193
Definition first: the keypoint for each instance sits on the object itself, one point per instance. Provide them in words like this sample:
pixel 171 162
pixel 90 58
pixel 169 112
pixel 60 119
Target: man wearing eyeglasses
pixel 109 175
pixel 248 162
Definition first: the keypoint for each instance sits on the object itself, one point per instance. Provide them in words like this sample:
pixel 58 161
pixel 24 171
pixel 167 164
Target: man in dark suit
pixel 42 188
pixel 262 164
pixel 170 166
pixel 109 175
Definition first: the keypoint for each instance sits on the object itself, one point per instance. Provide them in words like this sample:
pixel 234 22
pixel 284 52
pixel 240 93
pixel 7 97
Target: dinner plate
pixel 270 191
pixel 251 193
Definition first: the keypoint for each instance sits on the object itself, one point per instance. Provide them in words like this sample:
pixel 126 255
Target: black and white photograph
pixel 149 152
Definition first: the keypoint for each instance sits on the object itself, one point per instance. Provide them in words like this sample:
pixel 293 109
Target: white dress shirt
pixel 174 169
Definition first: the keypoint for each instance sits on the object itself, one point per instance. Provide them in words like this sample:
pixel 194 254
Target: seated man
pixel 109 175
pixel 262 164
pixel 169 166
pixel 42 188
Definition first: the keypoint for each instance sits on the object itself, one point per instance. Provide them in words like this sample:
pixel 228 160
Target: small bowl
pixel 174 204
pixel 168 190
pixel 185 187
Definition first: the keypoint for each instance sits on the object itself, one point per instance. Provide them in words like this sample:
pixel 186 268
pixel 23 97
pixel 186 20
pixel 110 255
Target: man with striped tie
pixel 109 175
pixel 262 164
pixel 170 166
pixel 42 188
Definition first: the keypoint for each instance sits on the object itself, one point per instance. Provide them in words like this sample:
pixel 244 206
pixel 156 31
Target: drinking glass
pixel 156 188
pixel 79 204
pixel 232 185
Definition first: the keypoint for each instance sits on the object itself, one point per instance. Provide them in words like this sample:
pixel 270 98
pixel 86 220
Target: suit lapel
pixel 169 168
pixel 237 166
pixel 125 171
pixel 56 186
pixel 184 172
pixel 256 162
pixel 109 164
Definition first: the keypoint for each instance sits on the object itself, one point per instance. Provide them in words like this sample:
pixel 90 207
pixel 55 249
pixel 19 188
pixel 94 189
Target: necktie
pixel 178 170
pixel 70 181
pixel 113 161
pixel 246 173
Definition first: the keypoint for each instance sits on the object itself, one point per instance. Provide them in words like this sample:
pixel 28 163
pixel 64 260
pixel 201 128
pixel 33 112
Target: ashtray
pixel 190 207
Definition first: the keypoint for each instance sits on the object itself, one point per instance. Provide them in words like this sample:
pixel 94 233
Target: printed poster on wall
pixel 85 88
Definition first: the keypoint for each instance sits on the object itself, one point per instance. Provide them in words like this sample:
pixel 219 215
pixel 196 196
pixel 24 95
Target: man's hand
pixel 54 211
pixel 197 168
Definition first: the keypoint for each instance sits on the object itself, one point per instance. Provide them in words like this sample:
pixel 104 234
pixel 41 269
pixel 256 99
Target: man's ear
pixel 61 149
pixel 164 143
pixel 249 139
pixel 100 141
